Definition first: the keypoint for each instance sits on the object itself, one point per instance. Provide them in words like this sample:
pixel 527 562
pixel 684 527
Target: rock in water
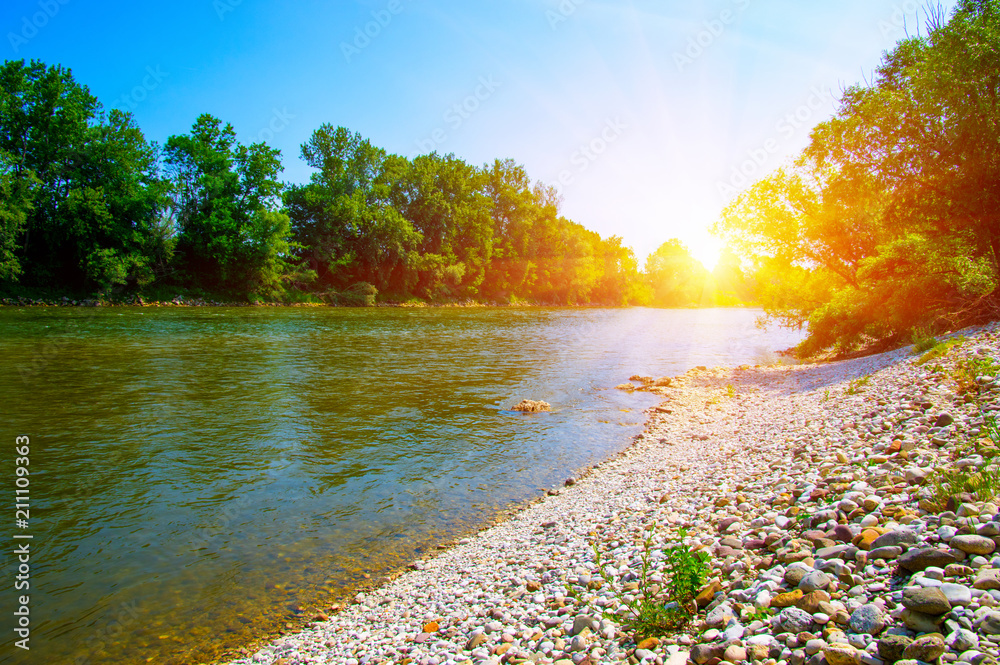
pixel 531 406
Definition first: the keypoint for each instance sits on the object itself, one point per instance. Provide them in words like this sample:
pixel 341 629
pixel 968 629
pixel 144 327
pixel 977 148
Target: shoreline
pixel 715 453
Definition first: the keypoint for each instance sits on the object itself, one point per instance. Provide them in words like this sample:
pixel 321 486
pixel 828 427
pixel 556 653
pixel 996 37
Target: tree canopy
pixel 89 205
pixel 888 223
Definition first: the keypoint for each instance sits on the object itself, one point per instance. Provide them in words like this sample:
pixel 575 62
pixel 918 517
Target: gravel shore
pixel 813 488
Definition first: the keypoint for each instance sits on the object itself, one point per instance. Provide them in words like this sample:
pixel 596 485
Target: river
pixel 202 477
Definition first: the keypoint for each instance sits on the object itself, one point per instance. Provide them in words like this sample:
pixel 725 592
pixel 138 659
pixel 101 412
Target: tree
pixel 84 197
pixel 889 222
pixel 676 278
pixel 226 197
pixel 344 219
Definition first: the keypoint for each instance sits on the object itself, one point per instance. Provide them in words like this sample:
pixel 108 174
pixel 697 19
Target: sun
pixel 707 250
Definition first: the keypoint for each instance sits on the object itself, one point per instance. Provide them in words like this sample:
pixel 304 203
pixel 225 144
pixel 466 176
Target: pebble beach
pixel 816 492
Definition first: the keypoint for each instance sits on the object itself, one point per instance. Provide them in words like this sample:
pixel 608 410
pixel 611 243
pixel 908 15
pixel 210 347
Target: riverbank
pixel 813 489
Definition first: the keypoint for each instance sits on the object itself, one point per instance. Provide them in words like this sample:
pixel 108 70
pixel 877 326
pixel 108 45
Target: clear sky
pixel 642 112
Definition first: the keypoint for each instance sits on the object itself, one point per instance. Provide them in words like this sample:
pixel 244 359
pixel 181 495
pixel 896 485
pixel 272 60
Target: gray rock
pixel 793 576
pixel 868 620
pixel 990 623
pixel 888 552
pixel 962 640
pixel 702 653
pixel 734 631
pixel 920 622
pixel 719 616
pixel 957 594
pixel 845 552
pixel 817 580
pixel 927 600
pixel 987 579
pixel 583 621
pixel 794 620
pixel 917 559
pixel 896 537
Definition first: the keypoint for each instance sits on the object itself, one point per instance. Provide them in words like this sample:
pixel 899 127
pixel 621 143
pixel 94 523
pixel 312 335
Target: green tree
pixel 226 197
pixel 677 279
pixel 345 220
pixel 84 193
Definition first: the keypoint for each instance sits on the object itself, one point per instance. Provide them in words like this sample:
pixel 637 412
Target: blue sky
pixel 642 112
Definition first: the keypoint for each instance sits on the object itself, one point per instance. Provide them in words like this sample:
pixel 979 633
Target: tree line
pixel 887 226
pixel 89 205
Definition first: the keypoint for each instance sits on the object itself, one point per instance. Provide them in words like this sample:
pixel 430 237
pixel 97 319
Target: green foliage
pixel 855 386
pixel 231 235
pixel 361 294
pixel 940 349
pixel 88 204
pixel 676 279
pixel 968 370
pixel 923 340
pixel 651 611
pixel 983 482
pixel 82 197
pixel 687 571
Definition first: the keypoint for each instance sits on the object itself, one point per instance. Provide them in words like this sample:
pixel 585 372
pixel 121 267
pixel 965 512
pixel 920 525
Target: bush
pixel 361 294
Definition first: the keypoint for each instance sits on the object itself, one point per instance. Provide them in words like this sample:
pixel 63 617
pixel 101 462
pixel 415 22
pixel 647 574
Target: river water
pixel 202 477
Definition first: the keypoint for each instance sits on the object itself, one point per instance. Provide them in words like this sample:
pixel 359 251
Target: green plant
pixel 855 386
pixel 650 610
pixel 687 571
pixel 730 391
pixel 984 482
pixel 758 614
pixel 923 340
pixel 826 395
pixel 992 430
pixel 939 349
pixel 968 370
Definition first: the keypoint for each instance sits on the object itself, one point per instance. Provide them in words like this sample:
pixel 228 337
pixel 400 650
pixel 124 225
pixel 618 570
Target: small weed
pixel 992 430
pixel 940 349
pixel 730 391
pixel 923 340
pixel 759 614
pixel 968 371
pixel 854 387
pixel 647 612
pixel 983 482
pixel 826 395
